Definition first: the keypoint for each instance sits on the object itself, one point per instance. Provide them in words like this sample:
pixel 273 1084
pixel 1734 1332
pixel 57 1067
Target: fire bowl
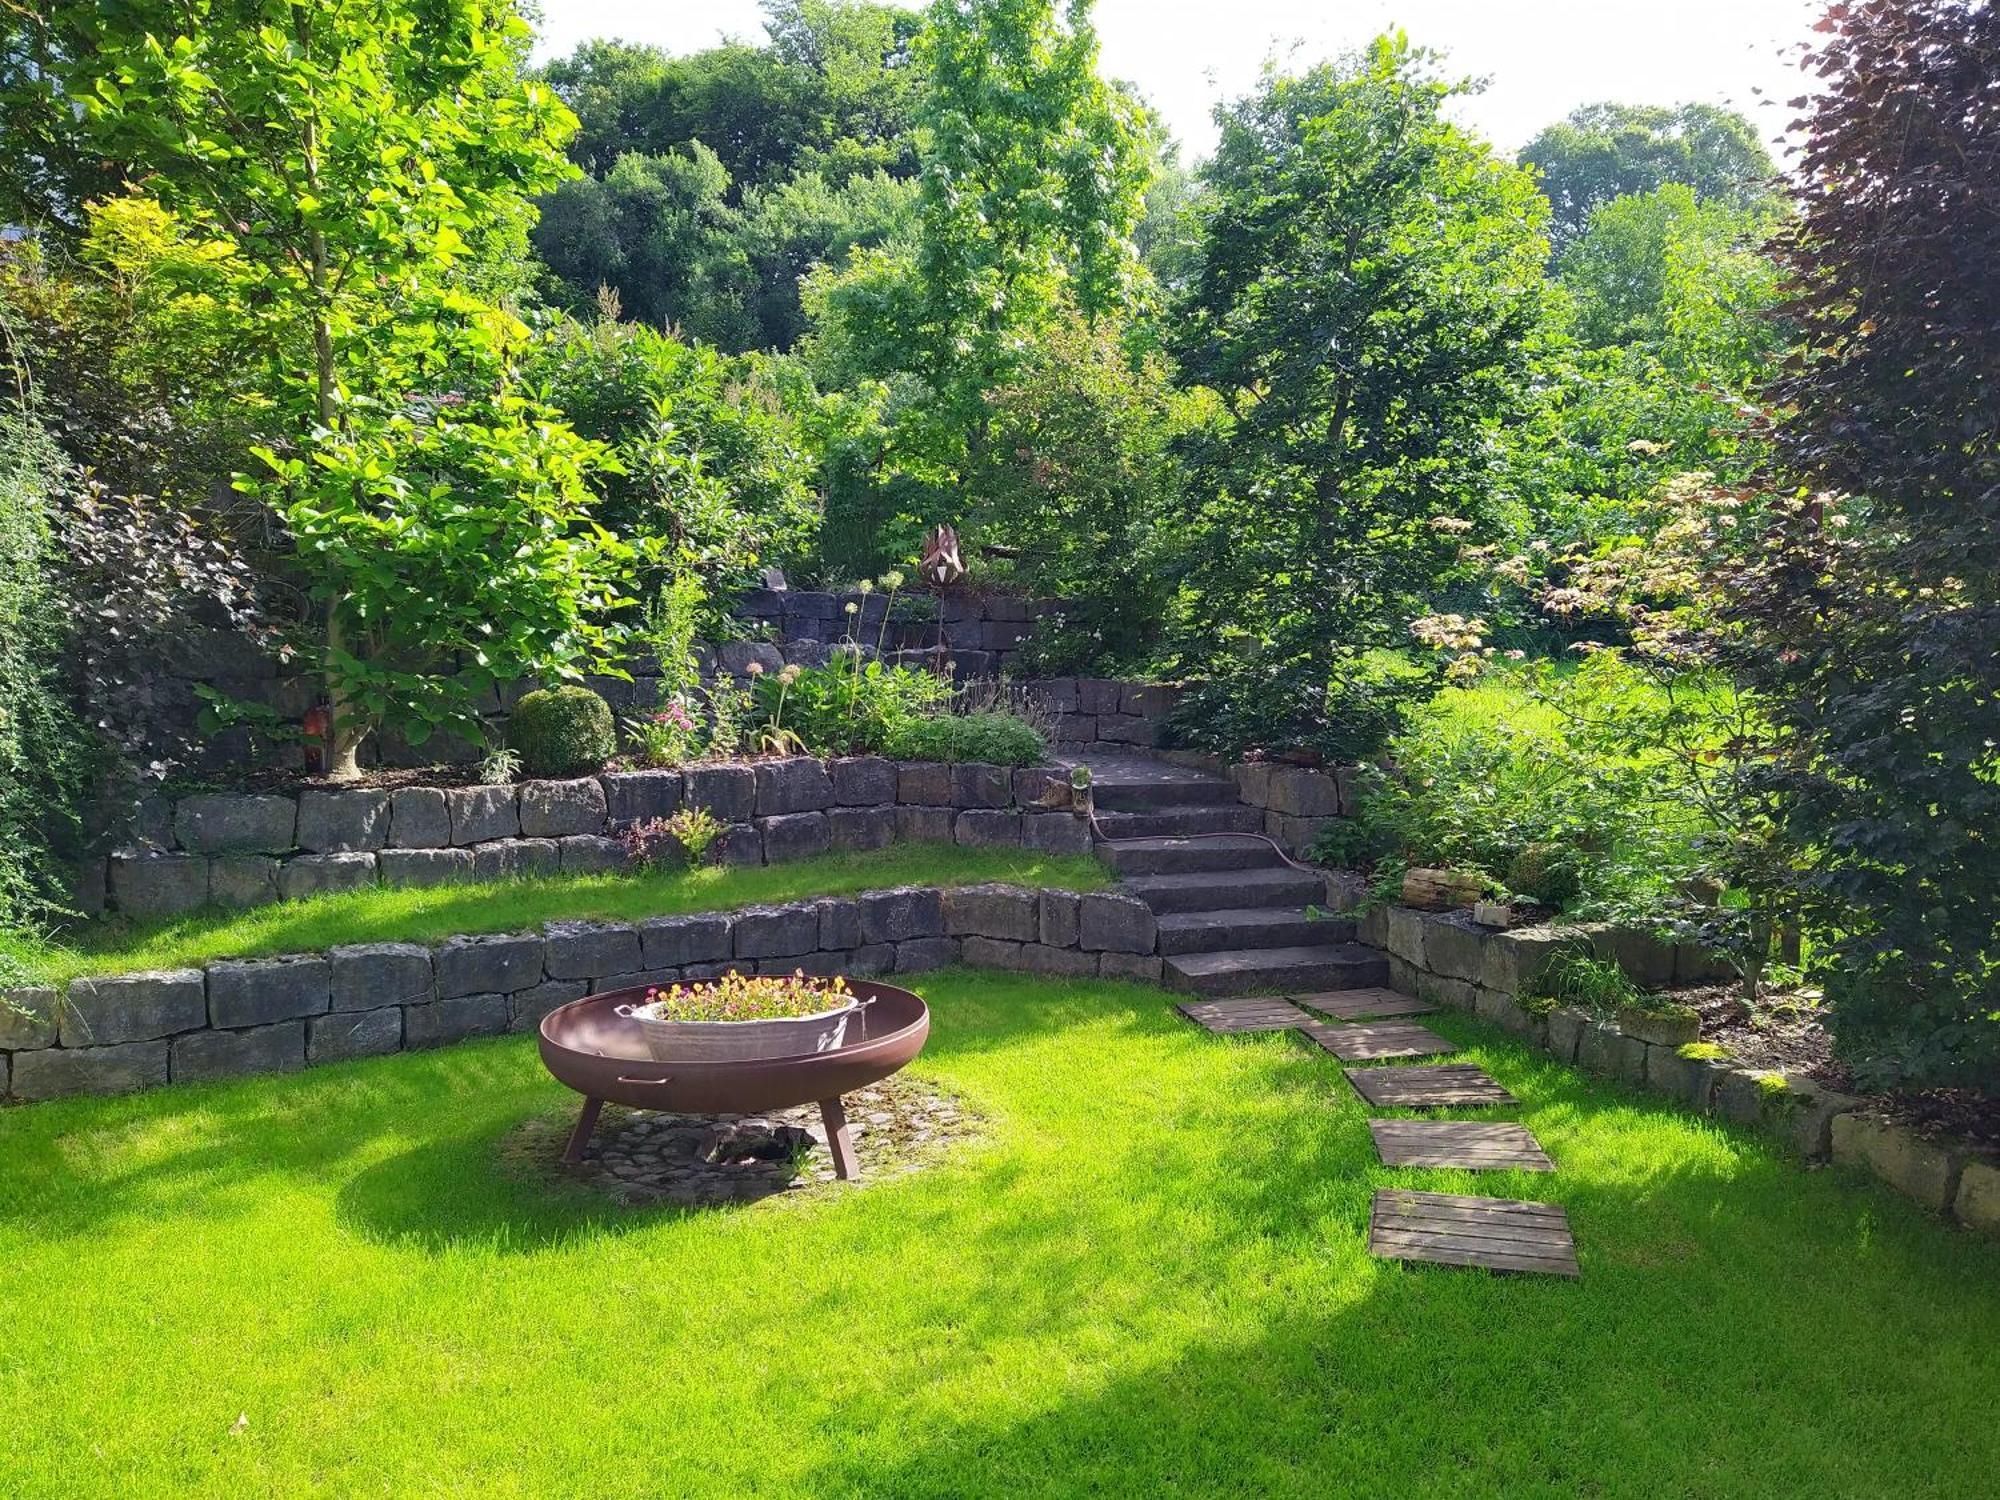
pixel 604 1056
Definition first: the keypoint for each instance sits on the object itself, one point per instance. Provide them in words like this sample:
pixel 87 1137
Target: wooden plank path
pixel 1478 1146
pixel 1428 1088
pixel 1367 1041
pixel 1498 1234
pixel 1254 1013
pixel 1362 1005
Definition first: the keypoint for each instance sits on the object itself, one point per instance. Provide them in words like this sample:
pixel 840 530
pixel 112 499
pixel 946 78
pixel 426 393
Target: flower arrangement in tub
pixel 744 1016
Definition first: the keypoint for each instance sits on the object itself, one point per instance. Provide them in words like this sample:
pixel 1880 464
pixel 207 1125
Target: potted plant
pixel 744 1016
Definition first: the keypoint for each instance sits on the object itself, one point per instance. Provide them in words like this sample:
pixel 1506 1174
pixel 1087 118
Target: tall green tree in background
pixel 1604 151
pixel 355 158
pixel 1371 290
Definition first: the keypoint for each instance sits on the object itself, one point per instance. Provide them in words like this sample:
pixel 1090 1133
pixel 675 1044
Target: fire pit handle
pixel 669 1078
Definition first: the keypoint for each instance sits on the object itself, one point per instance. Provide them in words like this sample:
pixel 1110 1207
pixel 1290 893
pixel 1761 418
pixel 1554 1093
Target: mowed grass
pixel 404 914
pixel 1148 1279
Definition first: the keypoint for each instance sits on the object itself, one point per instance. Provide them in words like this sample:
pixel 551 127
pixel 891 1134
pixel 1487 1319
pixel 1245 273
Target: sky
pixel 1541 58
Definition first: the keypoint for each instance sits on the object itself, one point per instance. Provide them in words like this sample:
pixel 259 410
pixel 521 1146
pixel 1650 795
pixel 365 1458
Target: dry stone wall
pixel 117 1033
pixel 239 850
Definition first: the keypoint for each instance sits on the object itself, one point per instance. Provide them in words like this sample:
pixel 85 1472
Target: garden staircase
pixel 1233 915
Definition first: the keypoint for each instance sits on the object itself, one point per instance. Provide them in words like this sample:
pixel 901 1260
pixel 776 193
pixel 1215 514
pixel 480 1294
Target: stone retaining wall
pixel 239 850
pixel 1299 803
pixel 130 1031
pixel 1448 959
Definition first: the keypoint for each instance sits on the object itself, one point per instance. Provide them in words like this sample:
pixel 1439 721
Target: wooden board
pixel 1499 1234
pixel 1254 1013
pixel 1360 1005
pixel 1473 1144
pixel 1365 1041
pixel 1427 1088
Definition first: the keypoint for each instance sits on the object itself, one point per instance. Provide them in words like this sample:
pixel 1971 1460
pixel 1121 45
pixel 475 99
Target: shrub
pixel 562 731
pixel 848 708
pixel 991 736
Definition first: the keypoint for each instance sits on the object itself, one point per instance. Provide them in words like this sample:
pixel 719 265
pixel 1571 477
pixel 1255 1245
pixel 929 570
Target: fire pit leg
pixel 845 1166
pixel 580 1137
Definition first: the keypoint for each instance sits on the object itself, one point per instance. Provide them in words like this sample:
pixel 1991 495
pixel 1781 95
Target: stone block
pixel 990 953
pixel 1028 785
pixel 987 828
pixel 1648 960
pixel 526 1008
pixel 1694 964
pixel 738 844
pixel 923 783
pixel 727 792
pixel 1295 834
pixel 1055 833
pixel 1112 923
pixel 1514 960
pixel 675 942
pixel 1123 729
pixel 588 950
pixel 1069 963
pixel 242 880
pixel 591 854
pixel 799 835
pixel 1061 918
pixel 1150 700
pixel 976 785
pixel 420 867
pixel 1927 1171
pixel 1253 781
pixel 226 823
pixel 1977 1204
pixel 735 657
pixel 1056 695
pixel 418 819
pixel 108 1009
pixel 498 963
pixel 158 885
pixel 1441 989
pixel 1565 1028
pixel 1740 1092
pixel 1404 936
pixel 1304 793
pixel 482 813
pixel 992 911
pixel 800 784
pixel 1374 927
pixel 861 827
pixel 369 976
pixel 258 991
pixel 59 1071
pixel 1345 890
pixel 924 825
pixel 200 1056
pixel 863 781
pixel 1503 1010
pixel 1099 695
pixel 455 1019
pixel 901 914
pixel 1405 978
pixel 1660 1029
pixel 916 955
pixel 335 822
pixel 1606 1051
pixel 1140 968
pixel 556 809
pixel 640 796
pixel 344 1035
pixel 776 931
pixel 1803 1115
pixel 516 859
pixel 325 874
pixel 839 924
pixel 28 1018
pixel 1075 729
pixel 1455 948
pixel 871 959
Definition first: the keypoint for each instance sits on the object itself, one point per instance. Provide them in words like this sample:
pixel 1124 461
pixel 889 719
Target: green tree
pixel 1604 151
pixel 356 158
pixel 1371 289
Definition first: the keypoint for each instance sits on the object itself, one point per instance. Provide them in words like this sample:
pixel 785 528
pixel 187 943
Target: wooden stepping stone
pixel 1427 1088
pixel 1499 1234
pixel 1459 1143
pixel 1368 1041
pixel 1253 1013
pixel 1360 1005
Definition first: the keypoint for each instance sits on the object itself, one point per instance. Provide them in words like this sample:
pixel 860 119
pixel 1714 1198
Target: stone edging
pixel 1446 958
pixel 241 849
pixel 117 1033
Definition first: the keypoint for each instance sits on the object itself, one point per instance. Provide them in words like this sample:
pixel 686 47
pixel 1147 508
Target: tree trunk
pixel 346 732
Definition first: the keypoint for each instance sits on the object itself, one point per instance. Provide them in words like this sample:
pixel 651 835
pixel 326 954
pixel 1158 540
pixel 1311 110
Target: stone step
pixel 1222 851
pixel 1251 927
pixel 1259 971
pixel 1210 890
pixel 1168 822
pixel 1131 792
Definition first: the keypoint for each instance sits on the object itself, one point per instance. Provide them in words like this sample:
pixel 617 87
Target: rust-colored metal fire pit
pixel 587 1045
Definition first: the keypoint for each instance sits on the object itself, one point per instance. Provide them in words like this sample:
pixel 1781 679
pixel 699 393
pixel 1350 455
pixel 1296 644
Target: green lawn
pixel 1150 1279
pixel 426 915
